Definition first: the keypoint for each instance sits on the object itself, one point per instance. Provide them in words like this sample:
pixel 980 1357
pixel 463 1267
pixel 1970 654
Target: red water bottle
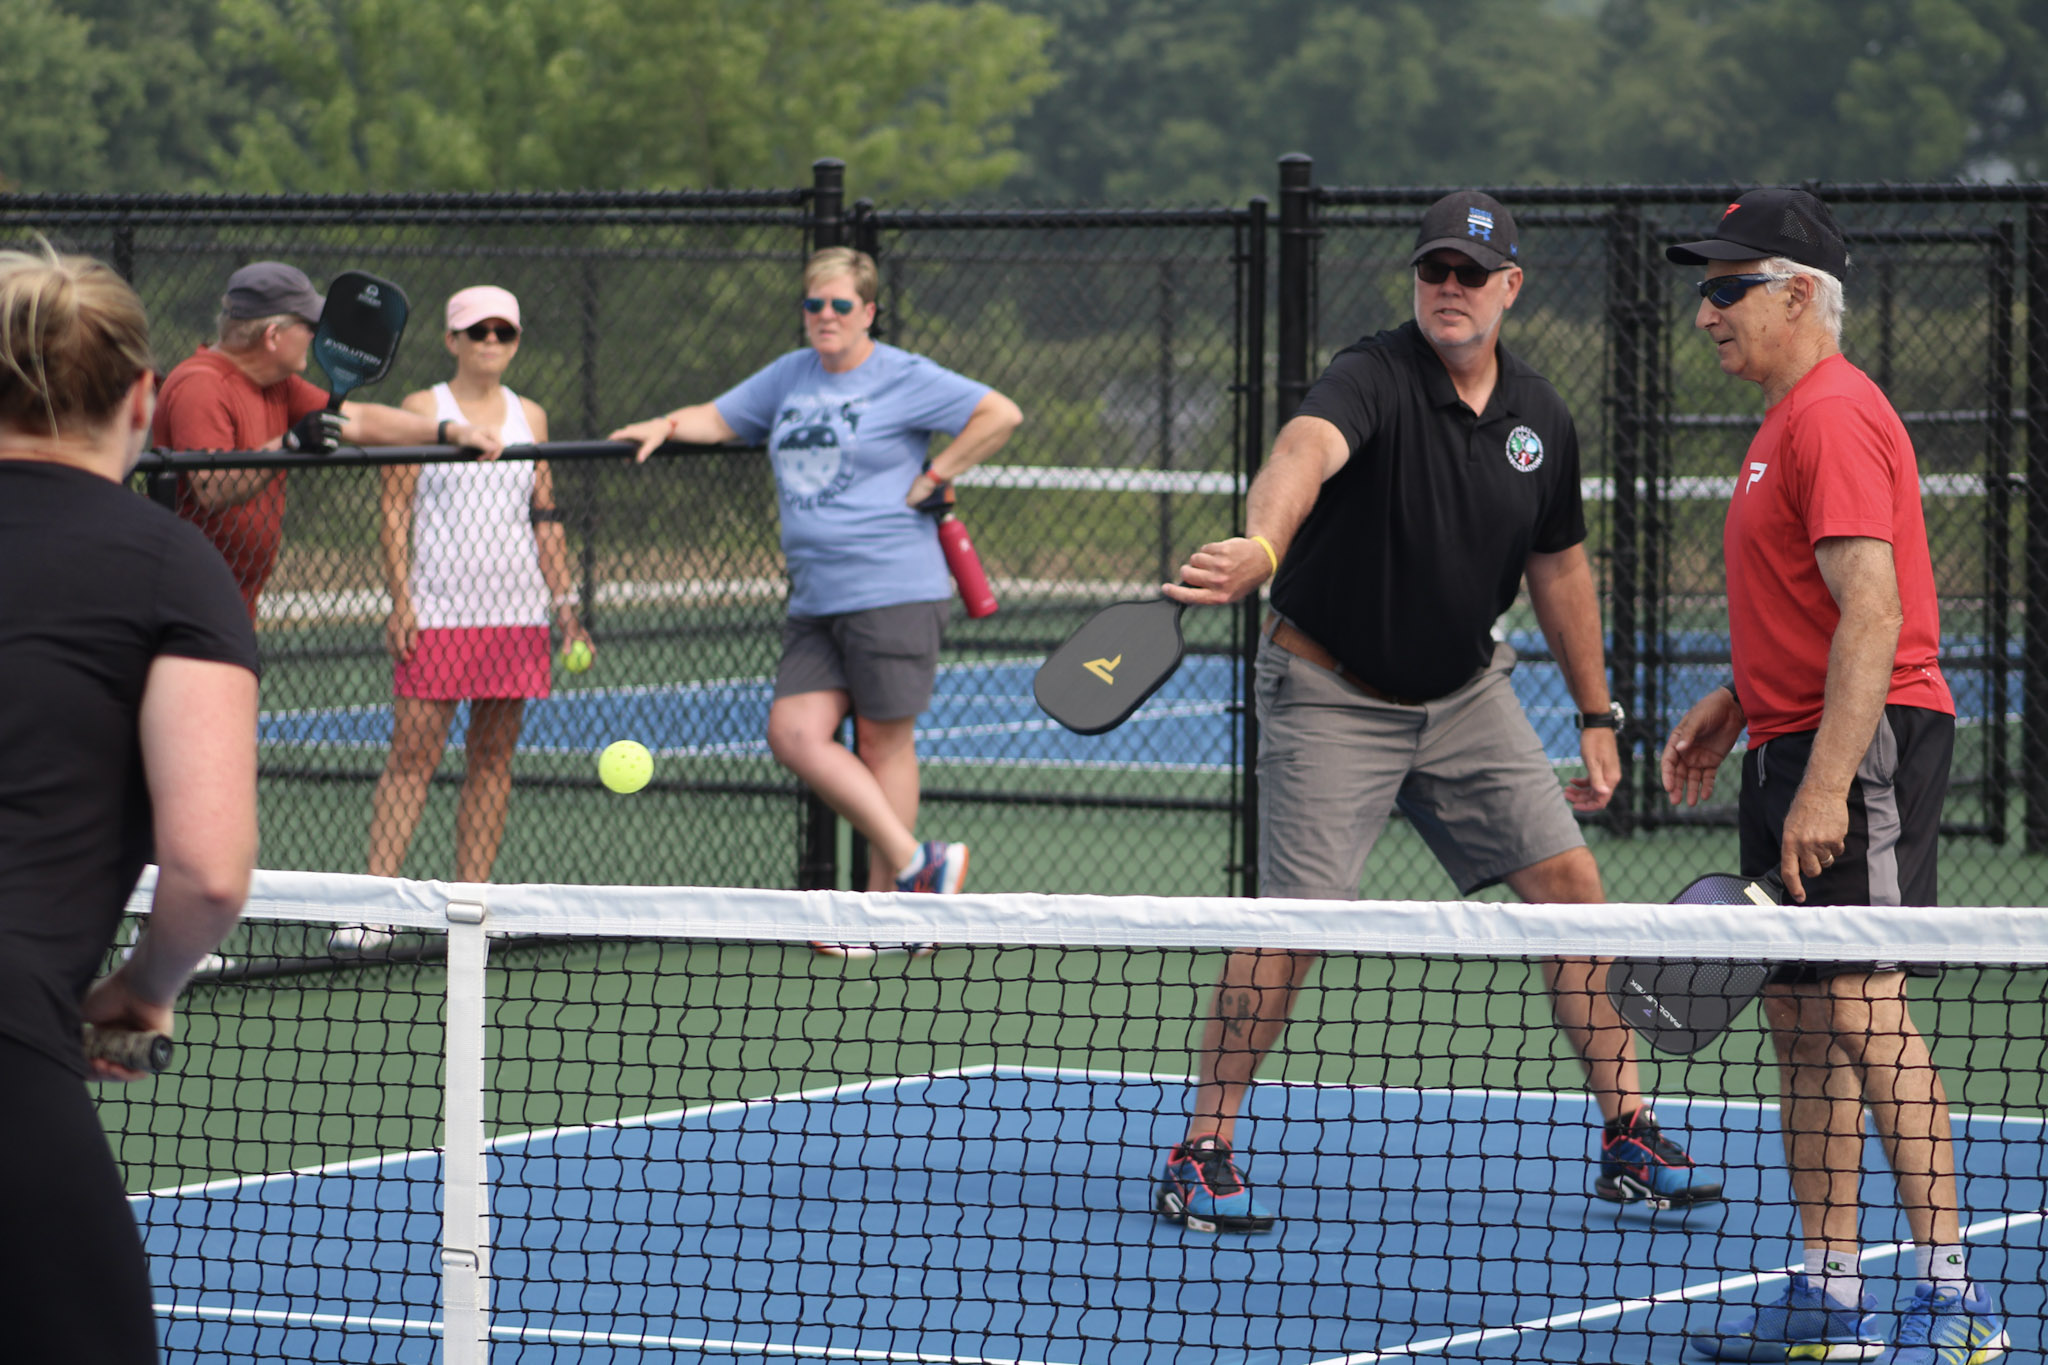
pixel 961 560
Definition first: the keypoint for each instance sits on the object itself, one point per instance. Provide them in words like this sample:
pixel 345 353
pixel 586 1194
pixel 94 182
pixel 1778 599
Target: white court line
pixel 1619 1308
pixel 571 1337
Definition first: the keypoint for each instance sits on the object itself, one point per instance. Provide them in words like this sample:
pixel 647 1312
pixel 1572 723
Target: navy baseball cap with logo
pixel 1771 222
pixel 1473 223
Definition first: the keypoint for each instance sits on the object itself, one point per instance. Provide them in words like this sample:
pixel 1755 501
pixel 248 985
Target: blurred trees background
pixel 1165 101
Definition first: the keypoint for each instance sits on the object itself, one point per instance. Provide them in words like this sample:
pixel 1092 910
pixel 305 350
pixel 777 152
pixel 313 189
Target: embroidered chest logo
pixel 1756 471
pixel 1525 449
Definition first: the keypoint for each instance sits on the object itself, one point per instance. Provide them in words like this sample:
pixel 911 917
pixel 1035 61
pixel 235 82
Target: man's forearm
pixel 1567 608
pixel 1286 489
pixel 1859 680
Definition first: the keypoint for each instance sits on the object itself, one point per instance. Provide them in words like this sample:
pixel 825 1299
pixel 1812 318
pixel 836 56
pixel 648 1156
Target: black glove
pixel 316 433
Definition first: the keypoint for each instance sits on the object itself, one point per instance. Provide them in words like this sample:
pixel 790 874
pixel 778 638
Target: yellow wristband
pixel 1271 558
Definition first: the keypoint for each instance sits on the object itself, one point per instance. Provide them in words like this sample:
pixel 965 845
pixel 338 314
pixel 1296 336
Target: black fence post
pixel 2034 650
pixel 1251 455
pixel 818 837
pixel 585 512
pixel 828 203
pixel 1628 364
pixel 1998 536
pixel 1295 308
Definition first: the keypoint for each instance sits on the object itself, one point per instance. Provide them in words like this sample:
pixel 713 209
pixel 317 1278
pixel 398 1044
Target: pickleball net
pixel 626 1124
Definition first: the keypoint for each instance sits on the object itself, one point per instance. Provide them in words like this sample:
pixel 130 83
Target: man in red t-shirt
pixel 1834 630
pixel 244 393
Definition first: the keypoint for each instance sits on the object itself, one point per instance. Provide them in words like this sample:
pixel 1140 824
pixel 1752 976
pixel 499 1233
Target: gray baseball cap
pixel 264 289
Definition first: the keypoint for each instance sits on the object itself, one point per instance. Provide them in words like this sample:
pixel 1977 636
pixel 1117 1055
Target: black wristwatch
pixel 1613 718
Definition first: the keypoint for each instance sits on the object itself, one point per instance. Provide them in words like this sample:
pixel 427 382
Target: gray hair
pixel 246 334
pixel 1827 291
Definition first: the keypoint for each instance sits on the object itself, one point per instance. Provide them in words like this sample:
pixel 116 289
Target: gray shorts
pixel 1467 769
pixel 884 658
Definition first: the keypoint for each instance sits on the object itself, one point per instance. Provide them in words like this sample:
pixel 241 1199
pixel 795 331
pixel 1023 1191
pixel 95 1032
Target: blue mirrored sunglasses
pixel 840 306
pixel 1724 291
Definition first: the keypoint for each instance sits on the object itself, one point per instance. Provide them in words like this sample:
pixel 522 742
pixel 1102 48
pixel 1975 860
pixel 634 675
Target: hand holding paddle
pixel 1223 572
pixel 1128 650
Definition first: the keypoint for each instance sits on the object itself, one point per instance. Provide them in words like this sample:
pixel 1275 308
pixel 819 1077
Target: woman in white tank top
pixel 478 570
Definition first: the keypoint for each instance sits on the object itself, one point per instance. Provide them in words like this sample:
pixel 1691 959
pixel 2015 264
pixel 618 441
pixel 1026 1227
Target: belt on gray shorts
pixel 1301 647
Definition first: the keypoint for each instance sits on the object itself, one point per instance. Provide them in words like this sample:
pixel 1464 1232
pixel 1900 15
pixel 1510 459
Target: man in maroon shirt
pixel 244 393
pixel 1834 630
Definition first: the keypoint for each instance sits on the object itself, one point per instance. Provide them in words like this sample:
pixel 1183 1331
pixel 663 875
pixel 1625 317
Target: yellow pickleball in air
pixel 625 766
pixel 576 656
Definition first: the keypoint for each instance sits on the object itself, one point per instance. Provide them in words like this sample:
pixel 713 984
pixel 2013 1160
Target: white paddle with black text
pixel 1679 1005
pixel 1108 667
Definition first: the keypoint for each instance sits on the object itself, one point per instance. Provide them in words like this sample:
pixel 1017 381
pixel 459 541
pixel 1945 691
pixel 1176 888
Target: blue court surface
pixel 981 713
pixel 1002 1214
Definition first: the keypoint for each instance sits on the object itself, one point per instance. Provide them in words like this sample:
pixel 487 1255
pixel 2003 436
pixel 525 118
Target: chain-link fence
pixel 1934 314
pixel 1135 342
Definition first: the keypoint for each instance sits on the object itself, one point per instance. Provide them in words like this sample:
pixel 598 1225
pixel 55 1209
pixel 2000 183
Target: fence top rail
pixel 899 219
pixel 352 457
pixel 2018 191
pixel 422 199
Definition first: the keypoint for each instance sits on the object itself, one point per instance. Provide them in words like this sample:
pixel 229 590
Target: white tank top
pixel 475 561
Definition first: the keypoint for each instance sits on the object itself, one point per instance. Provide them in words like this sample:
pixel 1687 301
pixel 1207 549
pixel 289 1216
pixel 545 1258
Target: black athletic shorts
pixel 1894 821
pixel 73 1282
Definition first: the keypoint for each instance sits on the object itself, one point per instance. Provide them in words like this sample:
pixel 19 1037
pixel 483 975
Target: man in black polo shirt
pixel 1427 472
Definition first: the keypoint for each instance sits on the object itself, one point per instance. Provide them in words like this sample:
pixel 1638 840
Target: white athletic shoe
pixel 354 940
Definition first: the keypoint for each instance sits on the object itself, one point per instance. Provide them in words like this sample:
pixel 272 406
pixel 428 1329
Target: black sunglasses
pixel 843 307
pixel 1725 291
pixel 1436 272
pixel 504 332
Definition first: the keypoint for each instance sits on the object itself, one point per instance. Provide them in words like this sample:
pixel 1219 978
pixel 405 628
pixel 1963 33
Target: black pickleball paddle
pixel 1679 1005
pixel 1108 667
pixel 358 332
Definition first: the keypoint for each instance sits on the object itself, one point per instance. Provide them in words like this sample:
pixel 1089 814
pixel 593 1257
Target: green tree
pixel 51 79
pixel 919 98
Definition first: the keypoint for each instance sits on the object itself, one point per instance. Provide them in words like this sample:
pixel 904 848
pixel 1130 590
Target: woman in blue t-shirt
pixel 848 422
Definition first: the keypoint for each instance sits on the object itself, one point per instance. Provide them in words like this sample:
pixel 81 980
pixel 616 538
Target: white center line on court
pixel 1608 1311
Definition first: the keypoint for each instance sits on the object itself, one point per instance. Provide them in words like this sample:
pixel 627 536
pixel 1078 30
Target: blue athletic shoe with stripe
pixel 1803 1325
pixel 1204 1190
pixel 1946 1326
pixel 1638 1164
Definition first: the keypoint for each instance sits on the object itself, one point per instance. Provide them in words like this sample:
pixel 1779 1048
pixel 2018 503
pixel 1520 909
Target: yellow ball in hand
pixel 625 766
pixel 576 656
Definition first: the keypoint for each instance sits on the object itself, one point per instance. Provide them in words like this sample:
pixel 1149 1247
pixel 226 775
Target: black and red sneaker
pixel 1204 1190
pixel 1639 1164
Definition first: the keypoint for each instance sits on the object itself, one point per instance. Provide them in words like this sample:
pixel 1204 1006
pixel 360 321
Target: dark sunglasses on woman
pixel 504 332
pixel 843 307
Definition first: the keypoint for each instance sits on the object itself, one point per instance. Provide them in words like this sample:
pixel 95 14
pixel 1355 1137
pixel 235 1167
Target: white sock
pixel 1942 1265
pixel 914 866
pixel 1837 1274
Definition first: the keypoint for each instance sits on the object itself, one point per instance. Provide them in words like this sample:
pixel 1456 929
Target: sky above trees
pixel 1091 101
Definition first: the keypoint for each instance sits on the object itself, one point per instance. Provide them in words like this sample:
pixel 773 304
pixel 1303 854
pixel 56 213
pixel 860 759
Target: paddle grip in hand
pixel 131 1048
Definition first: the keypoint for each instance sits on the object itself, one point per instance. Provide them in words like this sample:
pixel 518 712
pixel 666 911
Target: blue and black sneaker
pixel 1944 1325
pixel 1638 1163
pixel 1203 1189
pixel 1803 1325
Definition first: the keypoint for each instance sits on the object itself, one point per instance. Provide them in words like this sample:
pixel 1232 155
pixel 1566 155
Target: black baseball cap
pixel 1470 222
pixel 1772 222
pixel 265 289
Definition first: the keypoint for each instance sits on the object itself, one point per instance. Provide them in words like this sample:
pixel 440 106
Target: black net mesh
pixel 704 1146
